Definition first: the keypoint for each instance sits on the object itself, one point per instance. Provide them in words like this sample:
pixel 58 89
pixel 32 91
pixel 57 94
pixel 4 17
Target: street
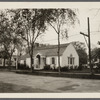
pixel 11 82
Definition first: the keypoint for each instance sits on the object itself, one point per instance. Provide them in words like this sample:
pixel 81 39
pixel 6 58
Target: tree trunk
pixel 59 53
pixel 9 64
pixel 32 67
pixel 4 62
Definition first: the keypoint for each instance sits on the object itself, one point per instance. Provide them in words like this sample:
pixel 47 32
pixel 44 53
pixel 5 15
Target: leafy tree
pixel 81 49
pixel 4 56
pixel 61 19
pixel 95 54
pixel 9 40
pixel 30 24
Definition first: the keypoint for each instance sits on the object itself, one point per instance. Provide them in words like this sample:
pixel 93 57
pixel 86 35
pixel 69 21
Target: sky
pixel 86 9
pixel 50 36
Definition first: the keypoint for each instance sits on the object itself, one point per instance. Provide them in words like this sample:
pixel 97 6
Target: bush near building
pixel 23 67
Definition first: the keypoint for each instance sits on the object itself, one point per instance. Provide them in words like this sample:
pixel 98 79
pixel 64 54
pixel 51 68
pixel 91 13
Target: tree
pixel 81 49
pixel 61 20
pixel 4 56
pixel 30 24
pixel 96 54
pixel 9 40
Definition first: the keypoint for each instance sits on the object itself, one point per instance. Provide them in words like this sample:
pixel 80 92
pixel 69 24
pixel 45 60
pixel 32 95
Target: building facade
pixel 44 56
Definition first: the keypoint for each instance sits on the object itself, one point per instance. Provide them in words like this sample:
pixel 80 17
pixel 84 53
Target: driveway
pixel 12 82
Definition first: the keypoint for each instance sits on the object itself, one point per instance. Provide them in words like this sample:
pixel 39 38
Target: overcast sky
pixel 86 9
pixel 94 15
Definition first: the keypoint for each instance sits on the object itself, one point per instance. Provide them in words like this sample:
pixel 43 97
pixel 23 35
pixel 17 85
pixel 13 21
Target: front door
pixel 38 61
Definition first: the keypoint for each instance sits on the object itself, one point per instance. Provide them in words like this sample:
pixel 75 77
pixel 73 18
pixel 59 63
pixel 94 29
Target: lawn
pixel 12 88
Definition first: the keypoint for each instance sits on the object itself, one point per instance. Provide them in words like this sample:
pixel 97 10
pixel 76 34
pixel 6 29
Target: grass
pixel 63 74
pixel 12 88
pixel 71 87
pixel 82 74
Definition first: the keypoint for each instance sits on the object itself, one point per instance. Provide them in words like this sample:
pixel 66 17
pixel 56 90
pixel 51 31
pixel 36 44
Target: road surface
pixel 11 82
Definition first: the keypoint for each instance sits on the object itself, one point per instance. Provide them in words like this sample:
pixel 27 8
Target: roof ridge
pixel 51 46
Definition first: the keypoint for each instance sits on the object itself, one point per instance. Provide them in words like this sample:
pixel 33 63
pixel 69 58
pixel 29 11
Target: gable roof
pixel 50 50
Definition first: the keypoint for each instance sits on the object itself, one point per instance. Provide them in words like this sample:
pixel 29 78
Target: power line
pixel 96 32
pixel 72 36
pixel 61 38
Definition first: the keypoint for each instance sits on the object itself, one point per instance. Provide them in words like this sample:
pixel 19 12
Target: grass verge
pixel 62 74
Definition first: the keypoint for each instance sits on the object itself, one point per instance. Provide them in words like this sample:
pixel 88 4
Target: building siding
pixel 70 50
pixel 28 62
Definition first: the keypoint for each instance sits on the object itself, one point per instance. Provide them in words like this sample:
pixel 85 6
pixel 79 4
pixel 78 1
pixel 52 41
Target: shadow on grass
pixel 12 88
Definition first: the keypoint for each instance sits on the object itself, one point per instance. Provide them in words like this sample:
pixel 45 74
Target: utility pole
pixel 89 45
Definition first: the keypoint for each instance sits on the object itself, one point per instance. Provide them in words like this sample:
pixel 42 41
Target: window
pixel 53 60
pixel 71 59
pixel 0 61
pixel 44 59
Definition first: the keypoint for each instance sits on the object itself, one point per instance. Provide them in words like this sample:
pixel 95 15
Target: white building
pixel 48 56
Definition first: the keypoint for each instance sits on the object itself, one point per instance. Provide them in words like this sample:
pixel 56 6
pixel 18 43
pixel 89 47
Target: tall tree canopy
pixel 61 19
pixel 30 24
pixel 8 37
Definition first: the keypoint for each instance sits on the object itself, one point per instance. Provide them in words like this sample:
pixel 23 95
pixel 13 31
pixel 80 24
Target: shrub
pixel 65 68
pixel 23 66
pixel 71 67
pixel 98 65
pixel 85 67
pixel 80 67
pixel 76 67
pixel 47 67
pixel 52 67
pixel 97 70
pixel 13 67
